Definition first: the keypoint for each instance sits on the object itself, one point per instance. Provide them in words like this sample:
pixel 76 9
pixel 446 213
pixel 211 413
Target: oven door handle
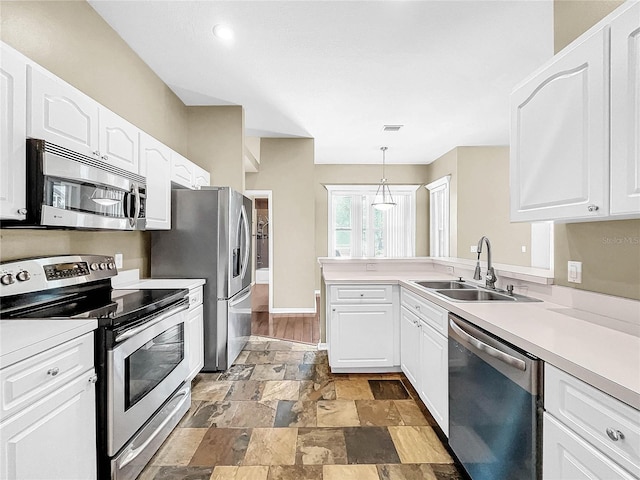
pixel 133 454
pixel 488 349
pixel 134 331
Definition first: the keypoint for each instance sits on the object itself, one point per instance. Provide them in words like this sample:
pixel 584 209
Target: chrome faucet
pixel 491 274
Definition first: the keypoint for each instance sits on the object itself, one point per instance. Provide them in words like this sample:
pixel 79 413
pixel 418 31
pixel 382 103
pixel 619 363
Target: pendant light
pixel 383 200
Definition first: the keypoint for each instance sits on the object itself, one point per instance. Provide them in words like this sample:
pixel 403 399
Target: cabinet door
pixel 201 178
pixel 559 137
pixel 362 336
pixel 195 335
pixel 434 375
pixel 182 170
pixel 61 114
pixel 155 165
pixel 565 455
pixel 55 438
pixel 625 113
pixel 410 346
pixel 119 141
pixel 13 132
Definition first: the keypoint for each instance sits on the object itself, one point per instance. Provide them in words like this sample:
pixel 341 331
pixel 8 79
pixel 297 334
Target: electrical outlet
pixel 524 249
pixel 118 259
pixel 371 267
pixel 574 272
pixel 450 270
pixel 473 249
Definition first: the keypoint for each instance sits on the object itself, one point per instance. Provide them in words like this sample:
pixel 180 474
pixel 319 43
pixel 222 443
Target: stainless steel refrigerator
pixel 210 238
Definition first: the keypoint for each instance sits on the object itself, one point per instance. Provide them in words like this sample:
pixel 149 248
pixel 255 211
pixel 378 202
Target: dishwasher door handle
pixel 488 349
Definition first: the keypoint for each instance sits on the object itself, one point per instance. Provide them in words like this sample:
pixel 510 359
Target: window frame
pixel 440 185
pixel 356 221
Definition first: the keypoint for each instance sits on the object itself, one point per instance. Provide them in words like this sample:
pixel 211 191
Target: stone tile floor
pixel 279 414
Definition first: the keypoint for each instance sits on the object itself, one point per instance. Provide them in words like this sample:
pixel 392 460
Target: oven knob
pixel 94 266
pixel 111 266
pixel 103 266
pixel 23 276
pixel 7 279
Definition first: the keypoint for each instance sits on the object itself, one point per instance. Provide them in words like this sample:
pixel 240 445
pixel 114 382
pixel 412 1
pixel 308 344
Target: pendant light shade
pixel 383 200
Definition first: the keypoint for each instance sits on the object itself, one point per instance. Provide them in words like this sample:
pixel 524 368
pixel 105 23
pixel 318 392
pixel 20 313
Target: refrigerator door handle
pixel 247 242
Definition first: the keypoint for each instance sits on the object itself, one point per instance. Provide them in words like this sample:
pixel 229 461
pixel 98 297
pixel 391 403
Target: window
pixel 356 229
pixel 439 217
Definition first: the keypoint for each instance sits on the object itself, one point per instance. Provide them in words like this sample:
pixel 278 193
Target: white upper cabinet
pixel 201 178
pixel 625 113
pixel 61 114
pixel 155 165
pixel 575 127
pixel 119 141
pixel 13 124
pixel 559 158
pixel 181 170
pixel 187 174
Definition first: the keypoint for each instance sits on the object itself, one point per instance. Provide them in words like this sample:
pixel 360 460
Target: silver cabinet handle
pixel 417 307
pixel 96 153
pixel 105 157
pixel 93 378
pixel 593 208
pixel 53 371
pixel 22 211
pixel 615 435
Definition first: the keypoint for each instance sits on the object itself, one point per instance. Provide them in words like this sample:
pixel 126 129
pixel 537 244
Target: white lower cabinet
pixel 54 436
pixel 195 333
pixel 587 433
pixel 434 375
pixel 364 333
pixel 425 353
pixel 410 345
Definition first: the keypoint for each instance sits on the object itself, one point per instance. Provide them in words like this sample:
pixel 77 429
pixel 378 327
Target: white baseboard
pixel 322 346
pixel 293 310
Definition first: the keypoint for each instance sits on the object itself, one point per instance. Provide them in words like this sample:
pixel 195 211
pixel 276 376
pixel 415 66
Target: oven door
pixel 143 371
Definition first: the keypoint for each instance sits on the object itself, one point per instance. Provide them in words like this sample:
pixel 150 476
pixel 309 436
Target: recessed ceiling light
pixel 223 32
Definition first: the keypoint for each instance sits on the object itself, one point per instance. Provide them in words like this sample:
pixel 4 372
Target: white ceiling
pixel 338 71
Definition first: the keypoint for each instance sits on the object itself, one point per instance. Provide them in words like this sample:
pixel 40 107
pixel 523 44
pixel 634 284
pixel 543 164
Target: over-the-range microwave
pixel 66 189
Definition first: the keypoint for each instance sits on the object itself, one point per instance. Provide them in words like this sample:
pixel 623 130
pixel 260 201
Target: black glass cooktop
pixel 112 308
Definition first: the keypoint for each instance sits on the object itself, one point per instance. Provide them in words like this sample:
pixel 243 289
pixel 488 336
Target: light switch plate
pixel 524 249
pixel 473 249
pixel 574 272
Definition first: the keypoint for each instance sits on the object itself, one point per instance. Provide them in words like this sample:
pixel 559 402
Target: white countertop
pixel 603 357
pixel 20 339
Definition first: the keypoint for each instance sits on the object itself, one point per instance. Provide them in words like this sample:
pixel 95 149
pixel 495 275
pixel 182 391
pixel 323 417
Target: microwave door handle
pixel 136 216
pixel 127 205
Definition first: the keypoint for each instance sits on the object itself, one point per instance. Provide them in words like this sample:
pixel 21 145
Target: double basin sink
pixel 460 291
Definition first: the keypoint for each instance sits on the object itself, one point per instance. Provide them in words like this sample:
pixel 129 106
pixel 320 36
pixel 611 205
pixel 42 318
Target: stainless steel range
pixel 139 349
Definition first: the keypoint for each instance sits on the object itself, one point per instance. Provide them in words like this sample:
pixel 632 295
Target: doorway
pixel 262 248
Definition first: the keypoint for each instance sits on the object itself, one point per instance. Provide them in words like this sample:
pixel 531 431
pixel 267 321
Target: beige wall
pixel 610 251
pixel 287 169
pixel 215 136
pixel 72 41
pixel 483 206
pixel 480 203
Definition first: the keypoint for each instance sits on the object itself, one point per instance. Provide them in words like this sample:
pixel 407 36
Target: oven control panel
pixel 35 274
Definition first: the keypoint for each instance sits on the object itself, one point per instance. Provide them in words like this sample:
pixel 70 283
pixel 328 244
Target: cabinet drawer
pixel 432 314
pixel 361 294
pixel 195 297
pixel 590 413
pixel 566 455
pixel 26 382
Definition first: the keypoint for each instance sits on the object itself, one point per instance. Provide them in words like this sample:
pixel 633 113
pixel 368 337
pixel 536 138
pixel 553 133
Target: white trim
pixel 316 292
pixel 441 184
pixel 293 310
pixel 367 188
pixel 323 346
pixel 268 194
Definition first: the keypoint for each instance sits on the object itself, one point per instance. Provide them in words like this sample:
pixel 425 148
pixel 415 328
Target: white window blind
pixel 356 229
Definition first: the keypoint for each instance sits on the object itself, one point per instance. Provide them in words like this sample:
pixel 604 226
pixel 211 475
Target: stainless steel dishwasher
pixel 495 405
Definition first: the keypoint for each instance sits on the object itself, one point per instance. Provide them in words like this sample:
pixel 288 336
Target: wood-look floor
pixel 295 327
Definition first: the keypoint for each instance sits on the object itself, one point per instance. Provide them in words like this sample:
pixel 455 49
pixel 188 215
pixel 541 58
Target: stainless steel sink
pixel 444 285
pixel 476 295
